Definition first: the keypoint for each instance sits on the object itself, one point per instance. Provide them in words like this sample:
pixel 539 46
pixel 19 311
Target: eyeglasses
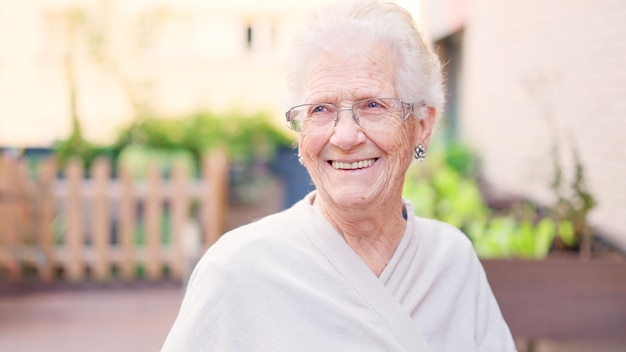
pixel 375 114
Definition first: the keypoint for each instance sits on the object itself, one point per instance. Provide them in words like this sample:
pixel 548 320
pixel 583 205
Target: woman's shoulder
pixel 259 237
pixel 262 230
pixel 442 230
pixel 441 236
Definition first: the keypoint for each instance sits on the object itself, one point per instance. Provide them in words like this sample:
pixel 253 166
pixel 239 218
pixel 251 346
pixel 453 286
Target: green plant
pixel 446 195
pixel 460 158
pixel 438 190
pixel 88 29
pixel 505 237
pixel 573 204
pixel 244 137
pixel 138 158
pixel 443 188
pixel 75 146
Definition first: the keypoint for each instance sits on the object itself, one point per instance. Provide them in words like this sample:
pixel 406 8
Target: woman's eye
pixel 374 105
pixel 318 109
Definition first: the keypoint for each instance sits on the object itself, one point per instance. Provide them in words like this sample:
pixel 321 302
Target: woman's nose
pixel 347 132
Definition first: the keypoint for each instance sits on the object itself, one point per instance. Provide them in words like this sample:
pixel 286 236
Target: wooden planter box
pixel 561 298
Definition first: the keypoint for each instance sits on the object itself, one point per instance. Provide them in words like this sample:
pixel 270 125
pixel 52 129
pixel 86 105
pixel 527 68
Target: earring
pixel 300 159
pixel 420 153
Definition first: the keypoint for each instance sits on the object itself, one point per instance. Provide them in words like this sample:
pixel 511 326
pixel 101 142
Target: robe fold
pixel 290 282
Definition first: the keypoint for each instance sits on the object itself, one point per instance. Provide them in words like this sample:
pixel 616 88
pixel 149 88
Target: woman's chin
pixel 352 197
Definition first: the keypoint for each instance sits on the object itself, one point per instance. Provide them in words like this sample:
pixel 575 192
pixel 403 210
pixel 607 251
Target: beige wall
pixel 174 56
pixel 543 71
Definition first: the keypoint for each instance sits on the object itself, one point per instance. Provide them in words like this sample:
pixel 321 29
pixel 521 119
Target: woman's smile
pixel 355 165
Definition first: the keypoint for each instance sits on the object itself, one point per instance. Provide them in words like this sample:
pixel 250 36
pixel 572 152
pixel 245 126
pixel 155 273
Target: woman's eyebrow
pixel 322 98
pixel 366 93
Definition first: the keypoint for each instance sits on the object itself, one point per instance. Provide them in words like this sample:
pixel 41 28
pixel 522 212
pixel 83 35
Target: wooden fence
pixel 100 228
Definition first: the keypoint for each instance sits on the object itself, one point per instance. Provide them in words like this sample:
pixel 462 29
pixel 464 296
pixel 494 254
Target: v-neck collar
pixel 352 268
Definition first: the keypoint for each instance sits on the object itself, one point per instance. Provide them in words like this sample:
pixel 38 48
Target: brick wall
pixel 540 73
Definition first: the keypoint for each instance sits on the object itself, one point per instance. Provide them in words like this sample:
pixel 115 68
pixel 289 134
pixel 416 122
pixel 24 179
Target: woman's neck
pixel 373 232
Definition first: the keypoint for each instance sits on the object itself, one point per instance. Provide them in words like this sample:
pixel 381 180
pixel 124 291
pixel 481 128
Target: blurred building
pixel 531 80
pixel 125 58
pixel 120 59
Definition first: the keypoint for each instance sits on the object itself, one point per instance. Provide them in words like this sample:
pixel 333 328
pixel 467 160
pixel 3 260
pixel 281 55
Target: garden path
pixel 109 319
pixel 133 318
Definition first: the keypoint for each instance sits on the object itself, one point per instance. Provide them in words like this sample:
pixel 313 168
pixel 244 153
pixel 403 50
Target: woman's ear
pixel 426 126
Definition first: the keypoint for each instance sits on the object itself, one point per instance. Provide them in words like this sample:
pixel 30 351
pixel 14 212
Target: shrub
pixel 444 187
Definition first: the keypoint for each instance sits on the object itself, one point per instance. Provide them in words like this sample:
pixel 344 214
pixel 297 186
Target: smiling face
pixel 352 167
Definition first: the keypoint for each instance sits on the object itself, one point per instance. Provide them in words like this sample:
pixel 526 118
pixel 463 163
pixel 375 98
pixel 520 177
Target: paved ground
pixel 110 319
pixel 129 318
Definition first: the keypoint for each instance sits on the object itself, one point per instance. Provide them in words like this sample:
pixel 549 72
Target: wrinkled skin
pixel 364 204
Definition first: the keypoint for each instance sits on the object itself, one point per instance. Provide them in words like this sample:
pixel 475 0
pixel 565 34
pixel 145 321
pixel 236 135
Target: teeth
pixel 353 166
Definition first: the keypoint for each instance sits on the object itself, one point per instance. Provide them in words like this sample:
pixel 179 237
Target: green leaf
pixel 567 234
pixel 544 237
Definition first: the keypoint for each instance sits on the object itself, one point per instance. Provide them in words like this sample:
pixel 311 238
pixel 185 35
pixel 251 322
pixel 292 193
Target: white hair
pixel 418 75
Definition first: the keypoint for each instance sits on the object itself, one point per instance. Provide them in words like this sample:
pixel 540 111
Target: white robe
pixel 289 282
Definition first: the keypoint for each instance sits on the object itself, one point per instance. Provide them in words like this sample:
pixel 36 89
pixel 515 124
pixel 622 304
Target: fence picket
pixel 127 216
pixel 179 211
pixel 101 220
pixel 26 238
pixel 215 196
pixel 152 221
pixel 74 236
pixel 8 210
pixel 46 220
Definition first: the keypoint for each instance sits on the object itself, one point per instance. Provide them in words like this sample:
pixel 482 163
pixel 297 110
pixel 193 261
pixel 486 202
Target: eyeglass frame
pixel 409 111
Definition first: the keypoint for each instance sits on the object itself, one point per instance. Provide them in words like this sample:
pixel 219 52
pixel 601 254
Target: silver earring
pixel 420 153
pixel 300 159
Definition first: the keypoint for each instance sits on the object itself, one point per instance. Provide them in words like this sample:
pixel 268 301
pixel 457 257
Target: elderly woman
pixel 349 267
